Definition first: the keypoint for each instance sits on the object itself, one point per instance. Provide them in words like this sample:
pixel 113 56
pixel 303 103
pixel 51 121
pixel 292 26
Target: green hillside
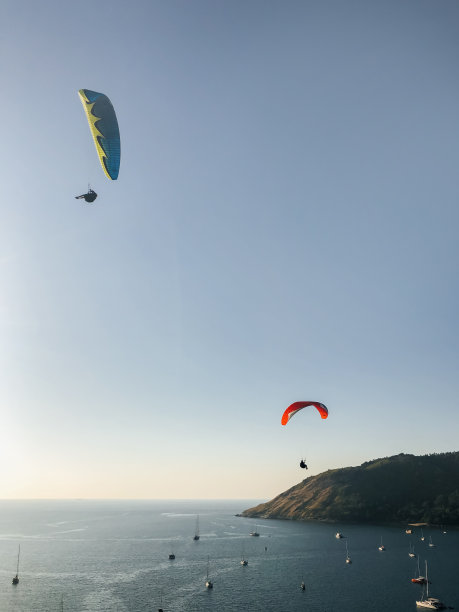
pixel 401 489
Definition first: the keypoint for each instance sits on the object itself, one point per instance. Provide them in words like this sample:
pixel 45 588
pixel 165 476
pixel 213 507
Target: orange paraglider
pixel 296 406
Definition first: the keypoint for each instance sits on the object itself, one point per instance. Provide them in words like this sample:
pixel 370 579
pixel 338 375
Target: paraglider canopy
pixel 296 406
pixel 104 129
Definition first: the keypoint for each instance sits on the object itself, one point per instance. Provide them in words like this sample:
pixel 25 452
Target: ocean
pixel 113 556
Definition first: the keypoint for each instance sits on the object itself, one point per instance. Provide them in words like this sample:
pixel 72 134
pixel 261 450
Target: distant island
pixel 401 489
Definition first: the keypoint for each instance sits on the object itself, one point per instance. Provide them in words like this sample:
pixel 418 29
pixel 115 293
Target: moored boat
pixel 209 583
pixel 418 579
pixel 160 609
pixel 16 578
pixel 429 603
pixel 196 532
pixel 348 558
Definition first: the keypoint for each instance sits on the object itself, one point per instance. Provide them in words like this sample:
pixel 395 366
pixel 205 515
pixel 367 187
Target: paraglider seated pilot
pixel 88 197
pixel 303 464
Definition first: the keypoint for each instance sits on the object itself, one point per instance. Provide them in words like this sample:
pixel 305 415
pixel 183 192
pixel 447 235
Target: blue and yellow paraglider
pixel 104 129
pixel 106 135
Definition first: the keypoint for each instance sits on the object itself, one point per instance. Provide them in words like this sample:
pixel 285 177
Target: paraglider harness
pixel 303 464
pixel 88 197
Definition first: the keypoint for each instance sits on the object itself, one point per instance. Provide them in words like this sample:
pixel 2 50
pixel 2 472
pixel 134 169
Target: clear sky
pixel 284 227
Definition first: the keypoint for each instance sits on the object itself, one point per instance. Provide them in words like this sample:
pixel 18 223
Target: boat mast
pixel 427 583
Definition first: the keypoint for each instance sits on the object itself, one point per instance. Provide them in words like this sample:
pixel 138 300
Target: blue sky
pixel 284 227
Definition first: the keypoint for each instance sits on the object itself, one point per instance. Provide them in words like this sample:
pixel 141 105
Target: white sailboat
pixel 422 536
pixel 382 547
pixel 348 558
pixel 244 561
pixel 429 603
pixel 411 553
pixel 418 579
pixel 209 583
pixel 431 544
pixel 16 578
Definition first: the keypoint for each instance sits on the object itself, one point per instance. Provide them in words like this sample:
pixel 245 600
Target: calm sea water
pixel 113 556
